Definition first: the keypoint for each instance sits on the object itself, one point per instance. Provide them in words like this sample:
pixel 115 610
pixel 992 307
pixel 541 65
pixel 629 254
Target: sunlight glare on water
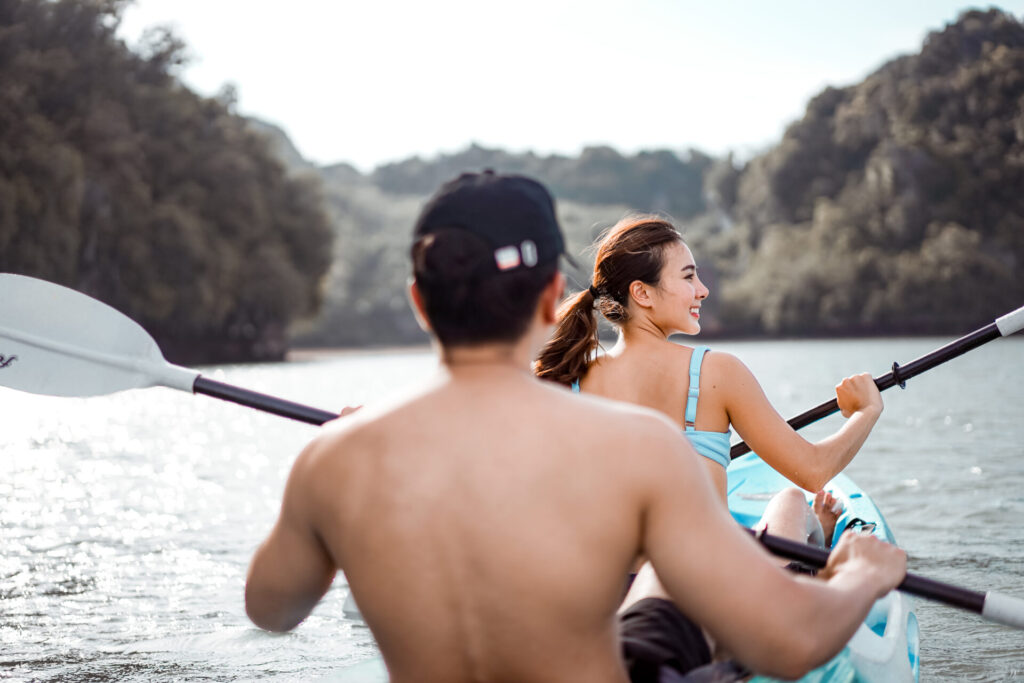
pixel 129 520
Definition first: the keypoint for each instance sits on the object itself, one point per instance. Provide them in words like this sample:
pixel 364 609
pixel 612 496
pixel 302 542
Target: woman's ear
pixel 640 293
pixel 416 300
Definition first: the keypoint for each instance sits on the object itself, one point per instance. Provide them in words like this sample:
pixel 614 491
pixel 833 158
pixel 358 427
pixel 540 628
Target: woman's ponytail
pixel 632 249
pixel 565 357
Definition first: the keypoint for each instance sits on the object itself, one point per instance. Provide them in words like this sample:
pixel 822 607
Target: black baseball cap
pixel 514 214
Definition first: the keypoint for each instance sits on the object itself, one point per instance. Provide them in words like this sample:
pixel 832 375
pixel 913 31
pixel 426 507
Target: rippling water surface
pixel 127 522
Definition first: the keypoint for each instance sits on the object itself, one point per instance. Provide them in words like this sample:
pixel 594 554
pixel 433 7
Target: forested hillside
pixel 894 205
pixel 118 181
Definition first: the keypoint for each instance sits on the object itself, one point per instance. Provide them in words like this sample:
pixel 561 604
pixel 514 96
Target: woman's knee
pixel 791 500
pixel 787 514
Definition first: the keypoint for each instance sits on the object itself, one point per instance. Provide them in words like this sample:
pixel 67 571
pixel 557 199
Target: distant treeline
pixel 118 181
pixel 895 205
pixel 658 180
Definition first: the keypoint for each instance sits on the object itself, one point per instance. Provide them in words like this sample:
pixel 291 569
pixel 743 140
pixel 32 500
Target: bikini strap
pixel 576 386
pixel 696 358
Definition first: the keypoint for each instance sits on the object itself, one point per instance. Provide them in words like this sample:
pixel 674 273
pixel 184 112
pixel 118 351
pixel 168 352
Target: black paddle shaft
pixel 269 404
pixel 898 376
pixel 931 589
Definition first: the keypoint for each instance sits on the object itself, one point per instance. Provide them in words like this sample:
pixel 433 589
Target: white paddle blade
pixel 59 342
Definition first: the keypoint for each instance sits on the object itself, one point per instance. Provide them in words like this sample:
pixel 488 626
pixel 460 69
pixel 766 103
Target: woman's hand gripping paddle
pixel 1002 327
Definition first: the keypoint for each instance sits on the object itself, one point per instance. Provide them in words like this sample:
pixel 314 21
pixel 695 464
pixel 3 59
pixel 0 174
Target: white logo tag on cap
pixel 507 257
pixel 512 256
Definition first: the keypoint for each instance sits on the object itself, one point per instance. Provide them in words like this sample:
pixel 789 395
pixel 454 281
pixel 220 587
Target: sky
pixel 371 82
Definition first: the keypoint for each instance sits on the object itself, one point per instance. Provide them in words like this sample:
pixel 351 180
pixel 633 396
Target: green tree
pixel 895 204
pixel 117 180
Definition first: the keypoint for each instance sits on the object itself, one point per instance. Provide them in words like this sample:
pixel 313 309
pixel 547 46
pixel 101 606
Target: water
pixel 128 521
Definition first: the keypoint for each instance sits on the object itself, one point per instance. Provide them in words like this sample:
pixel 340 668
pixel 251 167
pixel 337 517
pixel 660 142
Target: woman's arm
pixel 808 465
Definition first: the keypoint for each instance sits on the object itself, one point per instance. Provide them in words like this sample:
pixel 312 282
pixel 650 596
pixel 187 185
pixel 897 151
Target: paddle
pixel 997 607
pixel 59 342
pixel 1001 327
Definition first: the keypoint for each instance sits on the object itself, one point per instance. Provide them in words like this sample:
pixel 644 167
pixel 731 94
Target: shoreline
pixel 326 352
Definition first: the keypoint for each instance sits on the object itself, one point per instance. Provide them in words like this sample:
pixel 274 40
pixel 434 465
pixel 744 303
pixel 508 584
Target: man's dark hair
pixel 467 300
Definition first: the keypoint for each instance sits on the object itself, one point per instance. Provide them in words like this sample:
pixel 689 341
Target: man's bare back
pixel 486 523
pixel 501 534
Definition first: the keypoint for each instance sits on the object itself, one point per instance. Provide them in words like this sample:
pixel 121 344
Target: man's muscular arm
pixel 774 622
pixel 291 570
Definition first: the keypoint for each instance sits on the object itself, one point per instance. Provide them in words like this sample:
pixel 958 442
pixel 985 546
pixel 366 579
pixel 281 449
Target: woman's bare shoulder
pixel 725 364
pixel 736 386
pixel 721 358
pixel 729 380
pixel 600 414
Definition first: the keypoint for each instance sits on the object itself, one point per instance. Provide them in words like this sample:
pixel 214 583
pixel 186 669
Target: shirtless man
pixel 486 520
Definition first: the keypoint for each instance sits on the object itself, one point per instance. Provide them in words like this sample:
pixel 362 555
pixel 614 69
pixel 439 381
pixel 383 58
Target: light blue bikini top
pixel 712 445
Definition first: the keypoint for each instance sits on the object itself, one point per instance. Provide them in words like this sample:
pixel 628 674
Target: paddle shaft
pixel 898 376
pixel 913 584
pixel 993 606
pixel 264 402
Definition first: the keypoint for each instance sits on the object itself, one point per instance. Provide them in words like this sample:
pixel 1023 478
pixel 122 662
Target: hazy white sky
pixel 371 82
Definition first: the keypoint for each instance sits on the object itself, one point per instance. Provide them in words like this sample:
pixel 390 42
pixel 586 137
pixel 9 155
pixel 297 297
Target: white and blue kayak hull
pixel 886 646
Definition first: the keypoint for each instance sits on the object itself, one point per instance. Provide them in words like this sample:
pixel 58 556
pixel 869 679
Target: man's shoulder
pixel 345 432
pixel 342 438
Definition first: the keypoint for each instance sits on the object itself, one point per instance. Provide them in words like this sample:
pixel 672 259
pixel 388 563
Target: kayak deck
pixel 887 645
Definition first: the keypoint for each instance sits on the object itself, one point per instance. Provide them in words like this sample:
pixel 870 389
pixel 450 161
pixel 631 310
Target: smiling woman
pixel 645 283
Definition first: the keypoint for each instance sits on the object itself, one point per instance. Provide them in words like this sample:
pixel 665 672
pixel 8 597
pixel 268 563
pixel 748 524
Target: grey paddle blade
pixel 59 342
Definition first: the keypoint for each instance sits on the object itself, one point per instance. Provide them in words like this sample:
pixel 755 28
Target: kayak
pixel 884 649
pixel 887 644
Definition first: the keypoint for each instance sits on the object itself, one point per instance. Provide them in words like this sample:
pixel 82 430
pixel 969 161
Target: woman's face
pixel 678 296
